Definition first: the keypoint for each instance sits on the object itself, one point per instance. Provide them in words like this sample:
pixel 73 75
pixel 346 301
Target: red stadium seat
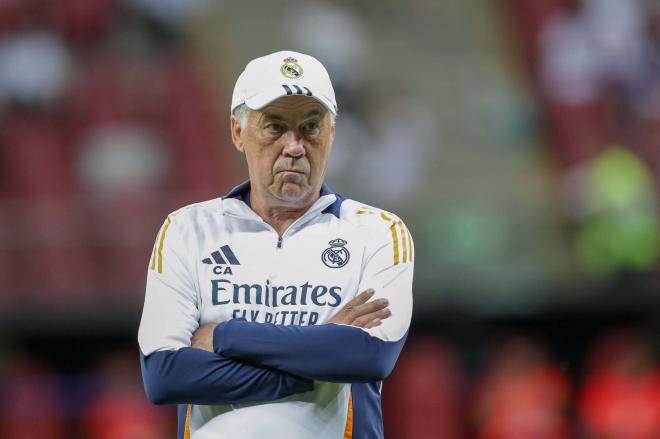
pixel 622 389
pixel 120 408
pixel 424 395
pixel 522 394
pixel 49 255
pixel 124 228
pixel 53 260
pixel 30 402
pixel 13 14
pixel 82 20
pixel 204 160
pixel 7 287
pixel 38 151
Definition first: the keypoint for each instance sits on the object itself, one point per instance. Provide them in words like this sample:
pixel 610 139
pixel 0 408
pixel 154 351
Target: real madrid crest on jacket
pixel 336 255
pixel 218 261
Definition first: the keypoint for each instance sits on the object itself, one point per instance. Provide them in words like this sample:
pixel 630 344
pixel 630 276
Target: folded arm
pixel 193 376
pixel 330 352
pixel 172 371
pixel 366 351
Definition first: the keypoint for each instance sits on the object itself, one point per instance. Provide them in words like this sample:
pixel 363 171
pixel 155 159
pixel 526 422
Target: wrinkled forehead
pixel 293 107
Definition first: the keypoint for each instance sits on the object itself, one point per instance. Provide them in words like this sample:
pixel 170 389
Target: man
pixel 277 310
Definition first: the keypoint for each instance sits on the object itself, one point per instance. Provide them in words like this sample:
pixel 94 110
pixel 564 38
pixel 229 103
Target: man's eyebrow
pixel 314 112
pixel 273 116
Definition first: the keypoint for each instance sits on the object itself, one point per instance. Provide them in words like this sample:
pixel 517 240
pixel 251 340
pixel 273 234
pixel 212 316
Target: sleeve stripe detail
pixel 154 254
pixel 403 241
pixel 348 431
pixel 186 429
pixel 406 238
pixel 383 215
pixel 395 239
pixel 153 257
pixel 160 245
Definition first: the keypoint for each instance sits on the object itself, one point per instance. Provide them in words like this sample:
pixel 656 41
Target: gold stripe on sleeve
pixel 153 256
pixel 386 217
pixel 403 241
pixel 160 245
pixel 395 240
pixel 348 430
pixel 410 245
pixel 153 253
pixel 186 428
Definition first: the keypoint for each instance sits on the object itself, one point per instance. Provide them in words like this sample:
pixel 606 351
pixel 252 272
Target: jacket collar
pixel 237 203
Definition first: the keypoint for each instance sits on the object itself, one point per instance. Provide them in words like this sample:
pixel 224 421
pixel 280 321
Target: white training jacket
pixel 278 370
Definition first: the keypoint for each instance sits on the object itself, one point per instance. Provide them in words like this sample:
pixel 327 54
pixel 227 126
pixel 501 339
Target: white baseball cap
pixel 279 74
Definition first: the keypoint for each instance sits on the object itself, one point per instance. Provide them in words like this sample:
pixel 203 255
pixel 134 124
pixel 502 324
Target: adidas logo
pixel 217 257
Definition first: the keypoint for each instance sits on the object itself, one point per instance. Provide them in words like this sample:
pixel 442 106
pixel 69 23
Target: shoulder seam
pixel 189 206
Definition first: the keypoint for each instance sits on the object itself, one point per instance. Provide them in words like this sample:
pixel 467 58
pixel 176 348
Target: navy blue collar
pixel 242 192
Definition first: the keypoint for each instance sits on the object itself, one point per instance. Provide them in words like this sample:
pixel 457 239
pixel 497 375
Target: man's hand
pixel 203 337
pixel 358 312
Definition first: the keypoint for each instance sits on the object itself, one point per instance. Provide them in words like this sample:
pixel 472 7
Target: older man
pixel 277 310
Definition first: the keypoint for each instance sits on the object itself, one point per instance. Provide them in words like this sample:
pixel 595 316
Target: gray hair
pixel 242 112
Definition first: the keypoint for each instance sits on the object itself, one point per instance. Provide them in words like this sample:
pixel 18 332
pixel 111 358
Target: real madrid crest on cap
pixel 291 68
pixel 337 255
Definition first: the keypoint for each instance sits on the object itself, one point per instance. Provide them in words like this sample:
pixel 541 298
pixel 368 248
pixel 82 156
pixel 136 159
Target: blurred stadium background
pixel 520 139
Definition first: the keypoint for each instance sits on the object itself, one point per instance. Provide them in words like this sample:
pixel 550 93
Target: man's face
pixel 287 145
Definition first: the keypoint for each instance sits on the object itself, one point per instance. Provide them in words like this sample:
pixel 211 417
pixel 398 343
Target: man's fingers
pixel 354 308
pixel 369 307
pixel 365 320
pixel 373 324
pixel 360 298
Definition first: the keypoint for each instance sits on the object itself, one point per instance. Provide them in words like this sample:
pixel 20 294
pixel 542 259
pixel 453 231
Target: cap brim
pixel 260 100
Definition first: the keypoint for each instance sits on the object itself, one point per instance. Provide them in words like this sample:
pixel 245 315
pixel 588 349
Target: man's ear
pixel 236 132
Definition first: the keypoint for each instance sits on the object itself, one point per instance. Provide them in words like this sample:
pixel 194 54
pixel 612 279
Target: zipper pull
pixel 279 242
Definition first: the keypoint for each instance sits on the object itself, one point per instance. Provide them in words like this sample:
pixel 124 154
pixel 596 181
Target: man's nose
pixel 294 146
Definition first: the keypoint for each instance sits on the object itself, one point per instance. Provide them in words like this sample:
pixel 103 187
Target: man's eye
pixel 310 126
pixel 275 128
